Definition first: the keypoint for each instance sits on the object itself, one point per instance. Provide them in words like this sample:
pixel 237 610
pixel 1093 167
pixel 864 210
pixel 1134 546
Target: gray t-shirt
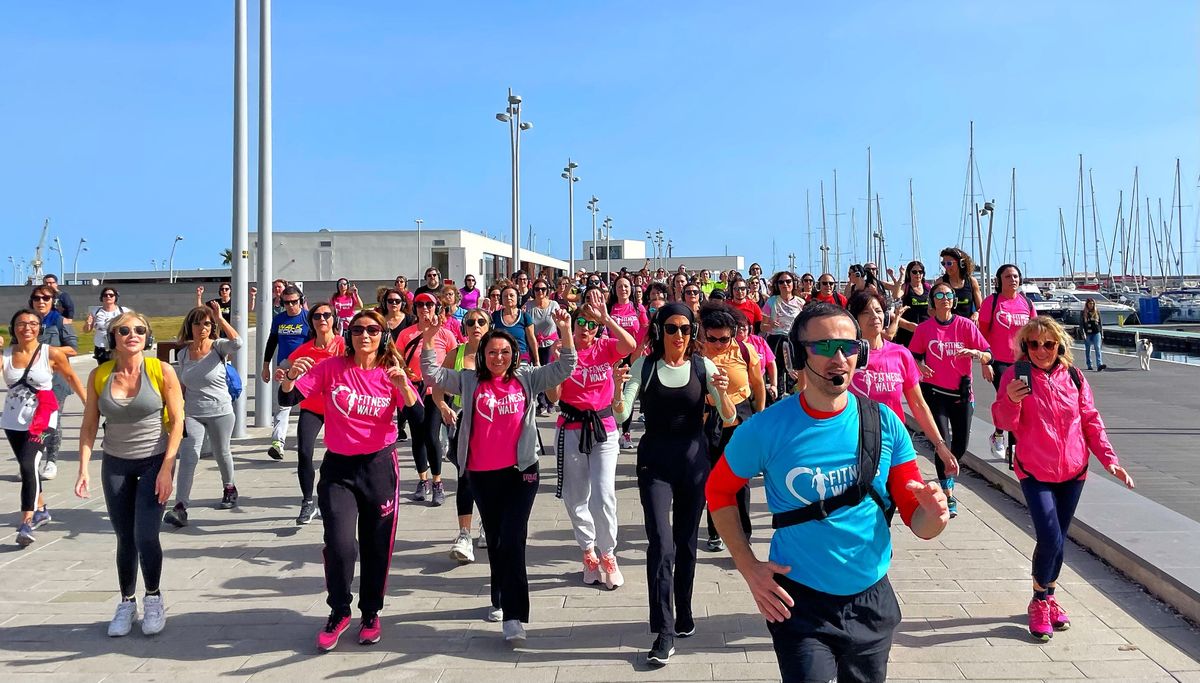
pixel 133 427
pixel 205 393
pixel 544 328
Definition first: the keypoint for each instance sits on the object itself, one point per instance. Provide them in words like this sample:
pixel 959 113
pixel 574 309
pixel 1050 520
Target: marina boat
pixel 1072 301
pixel 1041 304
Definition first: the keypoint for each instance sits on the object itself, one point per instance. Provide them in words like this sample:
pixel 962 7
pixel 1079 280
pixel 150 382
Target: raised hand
pixel 562 320
pixel 200 290
pixel 931 498
pixel 301 366
pixel 620 376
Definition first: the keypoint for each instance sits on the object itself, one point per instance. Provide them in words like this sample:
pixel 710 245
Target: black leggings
pixel 464 500
pixel 743 494
pixel 952 415
pixel 309 425
pixel 136 517
pixel 358 494
pixel 505 499
pixel 29 455
pixel 424 420
pixel 777 342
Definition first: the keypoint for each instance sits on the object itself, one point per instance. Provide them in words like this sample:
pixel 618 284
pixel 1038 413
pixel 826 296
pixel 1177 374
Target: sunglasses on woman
pixel 1048 345
pixel 672 328
pixel 323 315
pixel 722 341
pixel 125 330
pixel 584 322
pixel 830 347
pixel 369 330
pixel 943 296
pixel 475 322
pixel 395 302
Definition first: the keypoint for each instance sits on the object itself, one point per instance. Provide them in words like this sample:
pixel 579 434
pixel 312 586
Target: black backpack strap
pixel 1075 378
pixel 410 348
pixel 870 450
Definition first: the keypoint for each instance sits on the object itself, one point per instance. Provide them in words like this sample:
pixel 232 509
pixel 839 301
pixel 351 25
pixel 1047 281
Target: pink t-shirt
pixel 590 386
pixel 443 343
pixel 941 344
pixel 1005 324
pixel 343 306
pixel 496 427
pixel 890 372
pixel 631 318
pixel 455 328
pixel 359 405
pixel 759 344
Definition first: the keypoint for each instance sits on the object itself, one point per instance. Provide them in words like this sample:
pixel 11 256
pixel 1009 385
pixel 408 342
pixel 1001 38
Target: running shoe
pixel 25 535
pixel 481 540
pixel 401 436
pixel 626 441
pixel 122 621
pixel 998 443
pixel 229 497
pixel 1058 616
pixel 660 653
pixel 461 550
pixel 951 501
pixel 369 632
pixel 276 450
pixel 1039 620
pixel 308 512
pixel 715 544
pixel 1101 368
pixel 49 469
pixel 514 631
pixel 41 517
pixel 177 516
pixel 328 637
pixel 495 614
pixel 591 568
pixel 611 573
pixel 423 491
pixel 685 628
pixel 154 617
pixel 438 494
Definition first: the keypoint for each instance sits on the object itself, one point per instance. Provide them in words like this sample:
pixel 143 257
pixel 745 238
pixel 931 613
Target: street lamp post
pixel 171 261
pixel 607 248
pixel 78 248
pixel 594 207
pixel 658 244
pixel 418 221
pixel 13 263
pixel 62 268
pixel 512 116
pixel 569 175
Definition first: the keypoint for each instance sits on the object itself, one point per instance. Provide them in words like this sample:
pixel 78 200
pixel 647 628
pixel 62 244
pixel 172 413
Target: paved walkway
pixel 245 598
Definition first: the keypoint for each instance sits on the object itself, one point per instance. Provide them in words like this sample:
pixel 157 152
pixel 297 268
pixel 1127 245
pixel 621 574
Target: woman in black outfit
pixel 959 269
pixel 913 294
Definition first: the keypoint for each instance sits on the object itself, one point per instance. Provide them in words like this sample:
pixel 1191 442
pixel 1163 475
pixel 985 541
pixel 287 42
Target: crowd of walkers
pixel 787 377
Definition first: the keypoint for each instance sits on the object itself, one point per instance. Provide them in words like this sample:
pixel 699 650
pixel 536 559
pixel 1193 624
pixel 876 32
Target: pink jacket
pixel 1056 426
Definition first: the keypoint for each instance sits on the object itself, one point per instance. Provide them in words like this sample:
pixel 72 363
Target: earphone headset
pixel 799 350
pixel 494 333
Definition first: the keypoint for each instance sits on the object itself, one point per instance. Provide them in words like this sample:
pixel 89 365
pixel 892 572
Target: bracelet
pixel 288 376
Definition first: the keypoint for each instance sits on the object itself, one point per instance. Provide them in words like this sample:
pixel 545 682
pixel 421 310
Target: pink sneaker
pixel 1058 615
pixel 1039 620
pixel 611 572
pixel 327 638
pixel 591 567
pixel 369 631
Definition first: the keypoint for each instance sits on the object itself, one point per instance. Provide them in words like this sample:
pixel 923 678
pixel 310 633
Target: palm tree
pixel 227 257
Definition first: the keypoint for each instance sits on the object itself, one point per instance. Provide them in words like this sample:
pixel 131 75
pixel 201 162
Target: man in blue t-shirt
pixel 289 330
pixel 834 569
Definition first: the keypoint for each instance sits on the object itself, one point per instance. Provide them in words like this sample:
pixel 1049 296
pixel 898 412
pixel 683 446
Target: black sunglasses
pixel 425 304
pixel 40 297
pixel 369 330
pixel 323 315
pixel 718 340
pixel 1035 344
pixel 672 328
pixel 290 302
pixel 475 322
pixel 395 301
pixel 125 330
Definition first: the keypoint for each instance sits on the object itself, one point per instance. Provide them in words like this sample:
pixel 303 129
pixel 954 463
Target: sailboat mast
pixel 824 235
pixel 912 217
pixel 837 231
pixel 882 260
pixel 1062 240
pixel 808 225
pixel 1179 208
pixel 867 242
pixel 1096 236
pixel 1082 224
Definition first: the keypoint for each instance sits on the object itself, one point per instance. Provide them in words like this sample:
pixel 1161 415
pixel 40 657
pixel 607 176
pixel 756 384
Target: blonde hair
pixel 1045 326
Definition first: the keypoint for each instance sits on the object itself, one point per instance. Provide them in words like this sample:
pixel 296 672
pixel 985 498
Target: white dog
pixel 1144 350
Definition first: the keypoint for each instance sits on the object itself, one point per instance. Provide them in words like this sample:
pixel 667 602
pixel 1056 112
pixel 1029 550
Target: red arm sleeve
pixel 723 485
pixel 898 478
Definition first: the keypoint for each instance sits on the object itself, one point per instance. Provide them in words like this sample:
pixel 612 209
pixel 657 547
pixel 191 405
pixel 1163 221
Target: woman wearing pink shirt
pixel 891 373
pixel 345 301
pixel 1001 318
pixel 1048 404
pixel 499 451
pixel 360 476
pixel 631 316
pixel 587 439
pixel 945 346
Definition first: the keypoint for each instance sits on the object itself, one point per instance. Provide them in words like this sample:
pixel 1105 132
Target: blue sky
pixel 708 120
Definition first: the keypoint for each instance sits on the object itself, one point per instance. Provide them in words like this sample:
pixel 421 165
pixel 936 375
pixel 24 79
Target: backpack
pixel 154 371
pixel 1025 368
pixel 870 450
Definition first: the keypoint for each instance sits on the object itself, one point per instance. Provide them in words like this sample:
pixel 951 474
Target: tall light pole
pixel 594 207
pixel 658 244
pixel 569 174
pixel 607 249
pixel 512 116
pixel 239 264
pixel 416 270
pixel 171 261
pixel 13 263
pixel 78 248
pixel 266 266
pixel 62 268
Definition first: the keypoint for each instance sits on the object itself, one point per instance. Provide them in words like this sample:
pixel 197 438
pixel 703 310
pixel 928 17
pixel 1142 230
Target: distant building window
pixel 439 243
pixel 326 243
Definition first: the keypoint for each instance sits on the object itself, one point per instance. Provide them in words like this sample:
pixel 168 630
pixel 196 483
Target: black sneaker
pixel 177 516
pixel 308 511
pixel 438 496
pixel 685 628
pixel 714 544
pixel 660 653
pixel 229 498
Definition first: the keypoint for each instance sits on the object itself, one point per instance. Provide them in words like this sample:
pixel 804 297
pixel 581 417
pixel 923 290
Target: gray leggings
pixel 220 430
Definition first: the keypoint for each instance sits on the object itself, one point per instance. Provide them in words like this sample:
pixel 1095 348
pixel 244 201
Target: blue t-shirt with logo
pixel 290 331
pixel 804 459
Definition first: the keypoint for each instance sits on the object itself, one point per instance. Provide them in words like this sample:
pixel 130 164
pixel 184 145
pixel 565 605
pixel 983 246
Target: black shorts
pixel 842 638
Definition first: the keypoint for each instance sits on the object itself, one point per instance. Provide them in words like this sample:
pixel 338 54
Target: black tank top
pixel 676 412
pixel 918 312
pixel 964 297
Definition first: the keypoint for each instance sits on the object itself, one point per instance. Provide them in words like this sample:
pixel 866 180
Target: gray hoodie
pixel 534 380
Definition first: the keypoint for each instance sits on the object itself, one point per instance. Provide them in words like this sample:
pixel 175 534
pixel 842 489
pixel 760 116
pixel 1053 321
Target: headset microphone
pixel 836 380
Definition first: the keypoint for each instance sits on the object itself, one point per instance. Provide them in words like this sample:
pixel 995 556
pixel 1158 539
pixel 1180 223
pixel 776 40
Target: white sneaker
pixel 154 617
pixel 999 443
pixel 122 621
pixel 461 550
pixel 626 441
pixel 495 614
pixel 49 469
pixel 514 631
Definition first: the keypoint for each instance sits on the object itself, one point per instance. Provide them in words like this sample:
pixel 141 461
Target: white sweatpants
pixel 589 491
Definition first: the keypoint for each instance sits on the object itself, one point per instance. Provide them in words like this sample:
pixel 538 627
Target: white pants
pixel 589 491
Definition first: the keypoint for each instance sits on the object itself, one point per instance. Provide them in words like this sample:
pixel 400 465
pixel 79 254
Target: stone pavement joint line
pixel 245 598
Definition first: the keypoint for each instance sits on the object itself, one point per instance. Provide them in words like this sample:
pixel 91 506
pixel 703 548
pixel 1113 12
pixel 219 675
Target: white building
pixel 613 255
pixel 326 255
